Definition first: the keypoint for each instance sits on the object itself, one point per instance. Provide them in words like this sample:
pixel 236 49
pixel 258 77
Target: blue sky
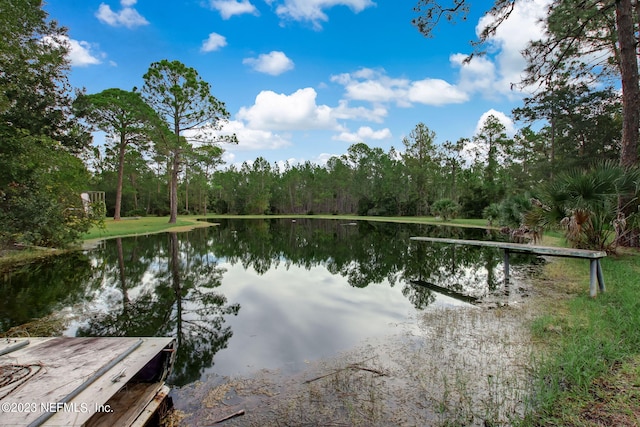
pixel 305 79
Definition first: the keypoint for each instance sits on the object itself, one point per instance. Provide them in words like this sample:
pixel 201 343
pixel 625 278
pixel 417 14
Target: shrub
pixel 491 213
pixel 512 209
pixel 445 209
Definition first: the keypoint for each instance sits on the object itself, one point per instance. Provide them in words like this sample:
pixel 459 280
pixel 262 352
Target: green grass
pixel 591 342
pixel 13 259
pixel 144 225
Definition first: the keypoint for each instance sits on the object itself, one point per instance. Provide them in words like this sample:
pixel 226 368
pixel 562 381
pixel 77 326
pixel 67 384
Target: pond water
pixel 248 295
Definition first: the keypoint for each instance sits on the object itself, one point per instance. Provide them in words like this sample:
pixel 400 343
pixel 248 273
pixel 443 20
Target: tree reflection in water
pixel 368 253
pixel 174 280
pixel 169 284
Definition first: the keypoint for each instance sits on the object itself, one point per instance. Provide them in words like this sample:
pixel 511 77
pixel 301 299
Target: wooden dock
pixel 593 256
pixel 64 381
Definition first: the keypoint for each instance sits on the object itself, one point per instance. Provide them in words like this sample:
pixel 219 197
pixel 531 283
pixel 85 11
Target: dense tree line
pixel 163 155
pixel 470 174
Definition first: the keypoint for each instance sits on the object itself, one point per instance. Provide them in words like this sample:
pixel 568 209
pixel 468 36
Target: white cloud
pixel 213 43
pixel 313 10
pixel 228 157
pixel 509 126
pixel 273 63
pixel 365 133
pixel 127 17
pixel 436 92
pixel 323 158
pixel 511 38
pixel 376 87
pixel 229 8
pixel 79 52
pixel 477 75
pixel 376 91
pixel 253 139
pixel 344 112
pixel 298 111
pixel 372 86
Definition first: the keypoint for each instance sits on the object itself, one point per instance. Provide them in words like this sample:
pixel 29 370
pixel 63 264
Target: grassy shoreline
pixel 141 226
pixel 590 374
pixel 148 225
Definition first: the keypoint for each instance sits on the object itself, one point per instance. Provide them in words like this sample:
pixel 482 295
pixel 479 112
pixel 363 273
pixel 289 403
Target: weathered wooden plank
pixel 519 247
pixel 7 345
pixel 152 407
pixel 593 268
pixel 68 363
pixel 126 405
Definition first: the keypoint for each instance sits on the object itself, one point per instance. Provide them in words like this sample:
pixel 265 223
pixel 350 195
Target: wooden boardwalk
pixel 64 381
pixel 593 256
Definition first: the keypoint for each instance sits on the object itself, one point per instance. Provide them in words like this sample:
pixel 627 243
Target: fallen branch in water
pixel 353 366
pixel 228 417
pixel 375 371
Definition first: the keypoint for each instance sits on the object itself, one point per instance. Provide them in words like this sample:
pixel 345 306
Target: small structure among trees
pixel 91 200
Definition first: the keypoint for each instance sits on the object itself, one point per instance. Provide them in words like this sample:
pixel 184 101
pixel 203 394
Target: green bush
pixel 491 213
pixel 445 209
pixel 512 209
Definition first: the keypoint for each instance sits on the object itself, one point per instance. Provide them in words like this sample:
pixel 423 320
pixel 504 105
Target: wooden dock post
pixel 506 265
pixel 600 277
pixel 593 267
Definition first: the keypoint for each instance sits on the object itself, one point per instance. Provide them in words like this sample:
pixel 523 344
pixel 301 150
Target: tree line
pixel 163 154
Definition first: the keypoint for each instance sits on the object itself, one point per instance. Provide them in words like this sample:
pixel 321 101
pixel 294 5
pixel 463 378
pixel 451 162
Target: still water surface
pixel 256 294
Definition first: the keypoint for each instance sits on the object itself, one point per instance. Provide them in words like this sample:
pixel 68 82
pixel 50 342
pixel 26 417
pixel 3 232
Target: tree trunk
pixel 132 179
pixel 173 191
pixel 552 158
pixel 122 148
pixel 630 88
pixel 186 196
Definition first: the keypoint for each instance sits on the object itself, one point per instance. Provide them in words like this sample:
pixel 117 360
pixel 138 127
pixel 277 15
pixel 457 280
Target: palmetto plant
pixel 585 205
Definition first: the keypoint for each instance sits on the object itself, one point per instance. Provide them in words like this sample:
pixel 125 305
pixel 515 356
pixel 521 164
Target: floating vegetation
pixel 52 325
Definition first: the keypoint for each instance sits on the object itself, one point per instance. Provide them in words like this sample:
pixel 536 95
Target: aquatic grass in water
pixel 457 367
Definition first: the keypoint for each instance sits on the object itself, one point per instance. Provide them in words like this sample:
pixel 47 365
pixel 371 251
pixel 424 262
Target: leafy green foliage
pixel 127 120
pixel 40 177
pixel 420 160
pixel 584 204
pixel 46 208
pixel 512 209
pixel 581 124
pixel 445 209
pixel 180 96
